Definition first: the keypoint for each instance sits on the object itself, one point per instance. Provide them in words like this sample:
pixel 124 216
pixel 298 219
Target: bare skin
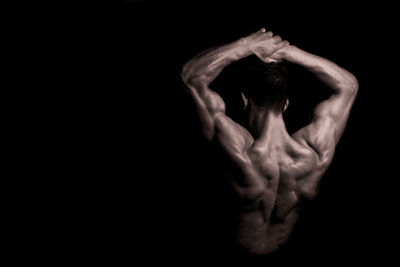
pixel 275 169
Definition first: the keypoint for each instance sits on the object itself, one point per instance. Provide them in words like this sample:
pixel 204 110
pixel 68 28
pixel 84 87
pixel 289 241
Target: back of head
pixel 265 84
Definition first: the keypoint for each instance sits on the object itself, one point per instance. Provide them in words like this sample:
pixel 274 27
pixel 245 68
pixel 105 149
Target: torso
pixel 291 167
pixel 260 174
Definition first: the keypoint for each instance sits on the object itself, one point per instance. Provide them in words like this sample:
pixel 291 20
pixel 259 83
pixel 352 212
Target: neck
pixel 265 124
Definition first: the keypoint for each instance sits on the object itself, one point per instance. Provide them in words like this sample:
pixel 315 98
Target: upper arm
pixel 233 138
pixel 209 105
pixel 337 109
pixel 217 125
pixel 329 121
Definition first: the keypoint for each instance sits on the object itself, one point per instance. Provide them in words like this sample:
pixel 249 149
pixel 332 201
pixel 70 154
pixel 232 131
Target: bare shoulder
pixel 233 137
pixel 319 136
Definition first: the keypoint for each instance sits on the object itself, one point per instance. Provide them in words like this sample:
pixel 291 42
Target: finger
pixel 270 34
pixel 259 32
pixel 277 38
pixel 283 44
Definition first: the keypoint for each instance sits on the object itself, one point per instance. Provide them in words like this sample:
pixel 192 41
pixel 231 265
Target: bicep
pixel 335 110
pixel 208 105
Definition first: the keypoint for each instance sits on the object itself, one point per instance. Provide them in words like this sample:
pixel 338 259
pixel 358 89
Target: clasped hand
pixel 266 46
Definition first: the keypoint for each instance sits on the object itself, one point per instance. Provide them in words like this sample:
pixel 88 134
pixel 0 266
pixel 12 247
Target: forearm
pixel 339 79
pixel 206 66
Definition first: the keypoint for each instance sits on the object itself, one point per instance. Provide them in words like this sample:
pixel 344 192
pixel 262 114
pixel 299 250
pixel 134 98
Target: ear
pixel 245 100
pixel 286 105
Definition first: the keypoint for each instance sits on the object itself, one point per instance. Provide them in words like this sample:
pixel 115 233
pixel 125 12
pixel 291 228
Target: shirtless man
pixel 276 169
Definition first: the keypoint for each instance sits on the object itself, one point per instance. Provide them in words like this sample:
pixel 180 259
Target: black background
pixel 154 191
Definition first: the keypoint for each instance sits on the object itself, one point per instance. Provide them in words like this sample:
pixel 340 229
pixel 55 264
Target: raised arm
pixel 199 72
pixel 330 116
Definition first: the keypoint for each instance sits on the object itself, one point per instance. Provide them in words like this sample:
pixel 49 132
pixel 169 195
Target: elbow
pixel 185 73
pixel 348 85
pixel 351 85
pixel 192 78
pixel 188 76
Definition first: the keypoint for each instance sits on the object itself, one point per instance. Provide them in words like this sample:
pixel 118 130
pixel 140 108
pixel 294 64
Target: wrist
pixel 244 47
pixel 289 52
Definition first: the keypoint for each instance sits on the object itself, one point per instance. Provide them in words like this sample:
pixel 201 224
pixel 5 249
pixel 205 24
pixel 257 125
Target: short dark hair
pixel 265 84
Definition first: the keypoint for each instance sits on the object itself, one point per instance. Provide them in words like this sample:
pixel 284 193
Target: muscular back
pixel 268 179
